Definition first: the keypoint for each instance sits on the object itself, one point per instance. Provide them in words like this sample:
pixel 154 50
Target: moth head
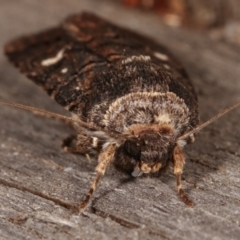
pixel 150 146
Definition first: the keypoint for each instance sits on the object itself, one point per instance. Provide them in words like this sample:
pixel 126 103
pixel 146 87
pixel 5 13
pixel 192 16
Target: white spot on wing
pixel 161 56
pixel 54 60
pixel 166 66
pixel 64 70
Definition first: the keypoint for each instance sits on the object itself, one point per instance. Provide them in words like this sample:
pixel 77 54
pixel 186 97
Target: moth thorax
pixel 147 108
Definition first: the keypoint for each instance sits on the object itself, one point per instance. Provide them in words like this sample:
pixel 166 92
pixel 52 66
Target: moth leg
pixel 66 143
pixel 179 161
pixel 82 146
pixel 104 158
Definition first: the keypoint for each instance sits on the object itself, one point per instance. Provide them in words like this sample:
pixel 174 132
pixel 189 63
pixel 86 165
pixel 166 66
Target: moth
pixel 132 102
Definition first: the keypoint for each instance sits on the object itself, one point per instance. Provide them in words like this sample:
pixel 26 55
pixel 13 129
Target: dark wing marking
pixel 113 42
pixel 92 49
pixel 67 78
pixel 116 43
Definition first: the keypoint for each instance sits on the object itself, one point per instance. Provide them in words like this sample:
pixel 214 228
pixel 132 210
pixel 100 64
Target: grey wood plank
pixel 27 216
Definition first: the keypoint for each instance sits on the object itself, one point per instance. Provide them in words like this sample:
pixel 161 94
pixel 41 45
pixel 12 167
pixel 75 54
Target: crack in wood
pixel 56 201
pixel 121 221
pixel 203 164
pixel 228 151
pixel 126 223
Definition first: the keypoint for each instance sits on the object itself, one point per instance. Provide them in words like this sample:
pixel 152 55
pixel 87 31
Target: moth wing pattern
pixel 125 84
pixel 86 52
pixel 59 80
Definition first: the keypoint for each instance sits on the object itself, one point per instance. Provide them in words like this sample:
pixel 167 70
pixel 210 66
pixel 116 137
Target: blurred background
pixel 221 17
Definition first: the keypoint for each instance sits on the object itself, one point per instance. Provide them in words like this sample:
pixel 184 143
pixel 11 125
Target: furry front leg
pixel 83 144
pixel 104 158
pixel 179 161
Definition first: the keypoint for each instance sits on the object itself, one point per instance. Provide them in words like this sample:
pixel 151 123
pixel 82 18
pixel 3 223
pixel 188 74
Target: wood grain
pixel 39 183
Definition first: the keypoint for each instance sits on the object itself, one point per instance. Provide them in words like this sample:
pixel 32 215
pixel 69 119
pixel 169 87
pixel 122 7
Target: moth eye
pixel 133 148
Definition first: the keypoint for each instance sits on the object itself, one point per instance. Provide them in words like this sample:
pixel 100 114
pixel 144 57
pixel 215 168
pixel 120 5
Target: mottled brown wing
pixel 116 43
pixel 62 80
pixel 113 42
pixel 90 47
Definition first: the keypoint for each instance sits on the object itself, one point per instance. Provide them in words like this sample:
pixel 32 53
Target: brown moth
pixel 132 101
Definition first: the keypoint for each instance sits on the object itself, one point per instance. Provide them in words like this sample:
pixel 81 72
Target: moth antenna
pixel 33 109
pixel 82 123
pixel 197 129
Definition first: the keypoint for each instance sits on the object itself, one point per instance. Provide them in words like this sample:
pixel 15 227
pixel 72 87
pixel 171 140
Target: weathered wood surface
pixel 39 182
